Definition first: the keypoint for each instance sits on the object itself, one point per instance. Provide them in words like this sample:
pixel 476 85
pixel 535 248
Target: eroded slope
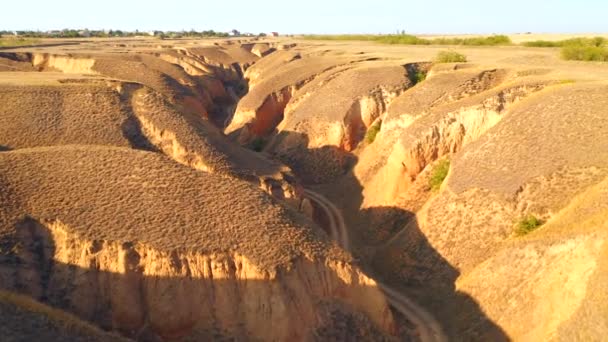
pixel 179 232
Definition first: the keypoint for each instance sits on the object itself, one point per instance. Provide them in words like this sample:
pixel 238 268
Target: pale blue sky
pixel 312 16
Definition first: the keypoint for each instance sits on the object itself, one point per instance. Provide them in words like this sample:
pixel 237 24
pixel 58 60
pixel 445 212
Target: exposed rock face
pixel 323 125
pixel 262 109
pixel 136 289
pixel 432 136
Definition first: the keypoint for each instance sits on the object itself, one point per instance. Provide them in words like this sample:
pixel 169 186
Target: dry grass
pixel 161 203
pixel 80 113
pixel 504 160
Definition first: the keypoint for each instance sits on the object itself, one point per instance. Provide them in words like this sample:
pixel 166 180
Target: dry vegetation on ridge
pixel 118 182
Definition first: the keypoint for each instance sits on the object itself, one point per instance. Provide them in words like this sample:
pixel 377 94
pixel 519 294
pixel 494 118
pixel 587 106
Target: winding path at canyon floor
pixel 426 326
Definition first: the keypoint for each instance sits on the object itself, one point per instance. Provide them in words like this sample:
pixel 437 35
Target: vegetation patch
pixel 258 144
pixel 408 39
pixel 543 43
pixel 585 49
pixel 527 224
pixel 578 49
pixel 419 76
pixel 439 173
pixel 450 57
pixel 372 132
pixel 477 41
pixel 585 53
pixel 416 73
pixel 340 36
pixel 10 42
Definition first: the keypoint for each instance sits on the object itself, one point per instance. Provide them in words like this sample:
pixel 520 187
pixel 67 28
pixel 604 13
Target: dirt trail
pixel 427 327
pixel 336 221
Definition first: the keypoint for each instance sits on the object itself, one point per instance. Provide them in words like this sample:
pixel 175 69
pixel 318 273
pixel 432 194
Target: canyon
pixel 284 189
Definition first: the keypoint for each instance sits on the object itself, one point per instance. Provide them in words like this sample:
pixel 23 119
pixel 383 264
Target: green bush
pixel 578 49
pixel 439 173
pixel 419 76
pixel 477 41
pixel 258 144
pixel 372 132
pixel 585 53
pixel 543 43
pixel 450 57
pixel 408 39
pixel 596 41
pixel 585 49
pixel 10 42
pixel 527 224
pixel 340 36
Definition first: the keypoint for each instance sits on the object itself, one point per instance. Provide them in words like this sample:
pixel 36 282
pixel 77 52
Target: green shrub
pixel 340 36
pixel 595 41
pixel 419 76
pixel 578 49
pixel 476 41
pixel 439 173
pixel 543 43
pixel 372 132
pixel 585 49
pixel 10 42
pixel 585 53
pixel 408 39
pixel 527 224
pixel 450 57
pixel 258 144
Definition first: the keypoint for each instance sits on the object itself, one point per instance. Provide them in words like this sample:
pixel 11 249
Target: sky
pixel 312 16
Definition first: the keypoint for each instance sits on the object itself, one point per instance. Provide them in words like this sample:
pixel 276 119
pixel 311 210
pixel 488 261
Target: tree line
pixel 85 33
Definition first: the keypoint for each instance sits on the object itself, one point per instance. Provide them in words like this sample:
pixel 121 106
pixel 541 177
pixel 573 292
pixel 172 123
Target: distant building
pixel 274 34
